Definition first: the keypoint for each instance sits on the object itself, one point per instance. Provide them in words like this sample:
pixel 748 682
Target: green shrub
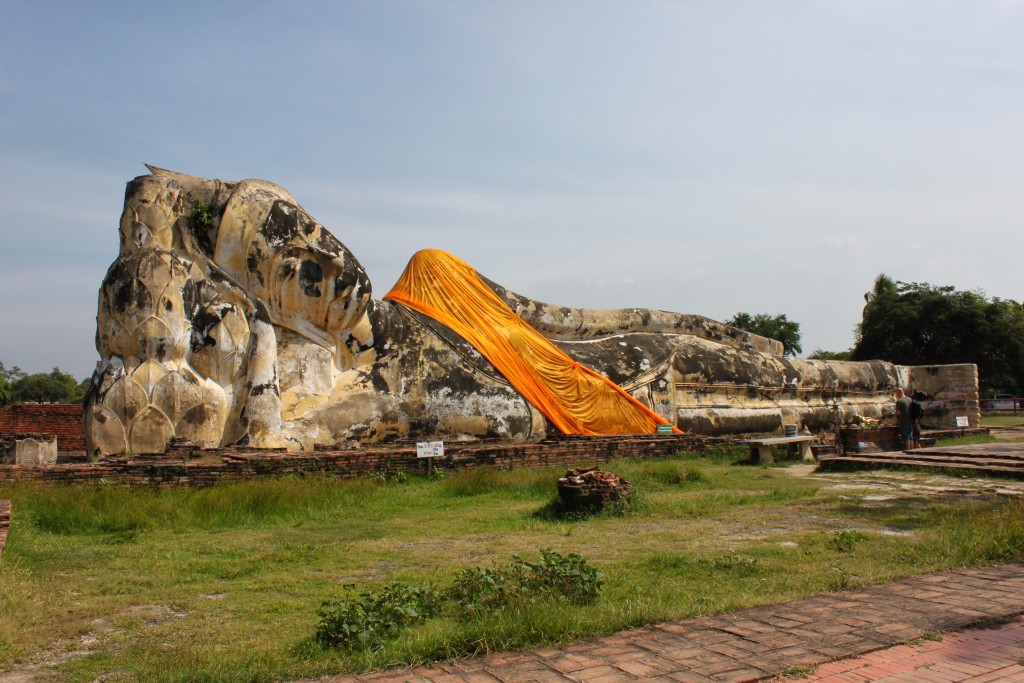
pixel 390 476
pixel 844 541
pixel 371 617
pixel 554 577
pixel 201 216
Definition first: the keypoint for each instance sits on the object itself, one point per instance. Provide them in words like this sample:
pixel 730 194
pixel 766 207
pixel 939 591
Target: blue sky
pixel 705 157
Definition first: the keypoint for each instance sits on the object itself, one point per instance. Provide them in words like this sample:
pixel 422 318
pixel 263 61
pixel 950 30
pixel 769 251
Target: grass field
pixel 224 584
pixel 1002 419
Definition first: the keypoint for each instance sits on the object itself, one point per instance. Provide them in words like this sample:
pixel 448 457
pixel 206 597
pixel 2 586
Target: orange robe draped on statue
pixel 574 398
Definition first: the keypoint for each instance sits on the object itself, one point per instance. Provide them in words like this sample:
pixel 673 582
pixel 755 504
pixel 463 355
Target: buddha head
pixel 309 280
pixel 257 234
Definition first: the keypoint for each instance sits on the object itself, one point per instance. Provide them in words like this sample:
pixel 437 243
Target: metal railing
pixel 1001 403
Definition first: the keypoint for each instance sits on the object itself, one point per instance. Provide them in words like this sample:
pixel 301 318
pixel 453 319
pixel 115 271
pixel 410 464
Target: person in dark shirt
pixel 915 416
pixel 903 419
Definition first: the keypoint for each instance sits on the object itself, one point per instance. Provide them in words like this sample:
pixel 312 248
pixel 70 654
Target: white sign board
pixel 962 421
pixel 430 449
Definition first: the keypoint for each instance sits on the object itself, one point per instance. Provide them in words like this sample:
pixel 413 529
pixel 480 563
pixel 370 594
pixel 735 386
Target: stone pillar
pixel 949 391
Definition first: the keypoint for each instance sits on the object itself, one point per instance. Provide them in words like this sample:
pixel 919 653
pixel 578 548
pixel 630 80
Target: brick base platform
pixel 196 468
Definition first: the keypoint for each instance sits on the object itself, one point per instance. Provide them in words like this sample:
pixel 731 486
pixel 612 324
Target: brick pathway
pixel 979 656
pixel 763 642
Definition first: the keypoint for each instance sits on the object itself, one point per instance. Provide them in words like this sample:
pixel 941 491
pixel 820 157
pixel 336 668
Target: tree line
pixel 56 386
pixel 912 323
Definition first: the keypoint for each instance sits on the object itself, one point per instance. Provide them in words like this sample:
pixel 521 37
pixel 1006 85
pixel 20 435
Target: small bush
pixel 368 618
pixel 201 215
pixel 390 476
pixel 554 577
pixel 372 617
pixel 845 541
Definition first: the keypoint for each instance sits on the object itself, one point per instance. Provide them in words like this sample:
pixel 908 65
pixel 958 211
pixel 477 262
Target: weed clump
pixel 480 589
pixel 390 476
pixel 846 540
pixel 366 619
pixel 370 617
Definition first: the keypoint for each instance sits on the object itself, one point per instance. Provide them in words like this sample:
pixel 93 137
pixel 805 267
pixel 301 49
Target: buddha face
pixel 310 280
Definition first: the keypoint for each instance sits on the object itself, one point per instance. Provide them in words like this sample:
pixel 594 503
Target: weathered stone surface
pixel 945 392
pixel 35 449
pixel 232 317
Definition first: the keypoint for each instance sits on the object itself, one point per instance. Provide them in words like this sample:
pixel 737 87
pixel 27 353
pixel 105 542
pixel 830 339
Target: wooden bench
pixel 762 448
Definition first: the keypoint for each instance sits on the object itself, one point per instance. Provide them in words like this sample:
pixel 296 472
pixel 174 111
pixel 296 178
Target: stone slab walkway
pixel 762 642
pixel 975 656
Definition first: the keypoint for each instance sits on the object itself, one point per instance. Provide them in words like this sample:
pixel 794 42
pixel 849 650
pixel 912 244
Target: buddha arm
pixel 565 323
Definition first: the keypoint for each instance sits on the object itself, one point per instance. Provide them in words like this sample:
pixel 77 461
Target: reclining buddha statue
pixel 232 317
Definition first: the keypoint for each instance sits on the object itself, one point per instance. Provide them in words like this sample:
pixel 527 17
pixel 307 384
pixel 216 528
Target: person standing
pixel 905 420
pixel 916 410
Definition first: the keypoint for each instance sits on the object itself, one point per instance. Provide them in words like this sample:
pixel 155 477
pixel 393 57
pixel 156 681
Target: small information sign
pixel 664 429
pixel 962 421
pixel 430 449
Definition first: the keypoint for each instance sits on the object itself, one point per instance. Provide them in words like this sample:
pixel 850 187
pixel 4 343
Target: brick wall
pixel 232 465
pixel 64 420
pixel 179 469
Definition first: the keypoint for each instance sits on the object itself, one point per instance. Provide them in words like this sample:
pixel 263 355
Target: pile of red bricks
pixel 65 420
pixel 233 465
pixel 590 488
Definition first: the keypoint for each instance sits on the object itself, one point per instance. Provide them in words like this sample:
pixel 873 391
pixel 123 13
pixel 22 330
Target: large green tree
pixel 913 323
pixel 55 386
pixel 7 379
pixel 772 326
